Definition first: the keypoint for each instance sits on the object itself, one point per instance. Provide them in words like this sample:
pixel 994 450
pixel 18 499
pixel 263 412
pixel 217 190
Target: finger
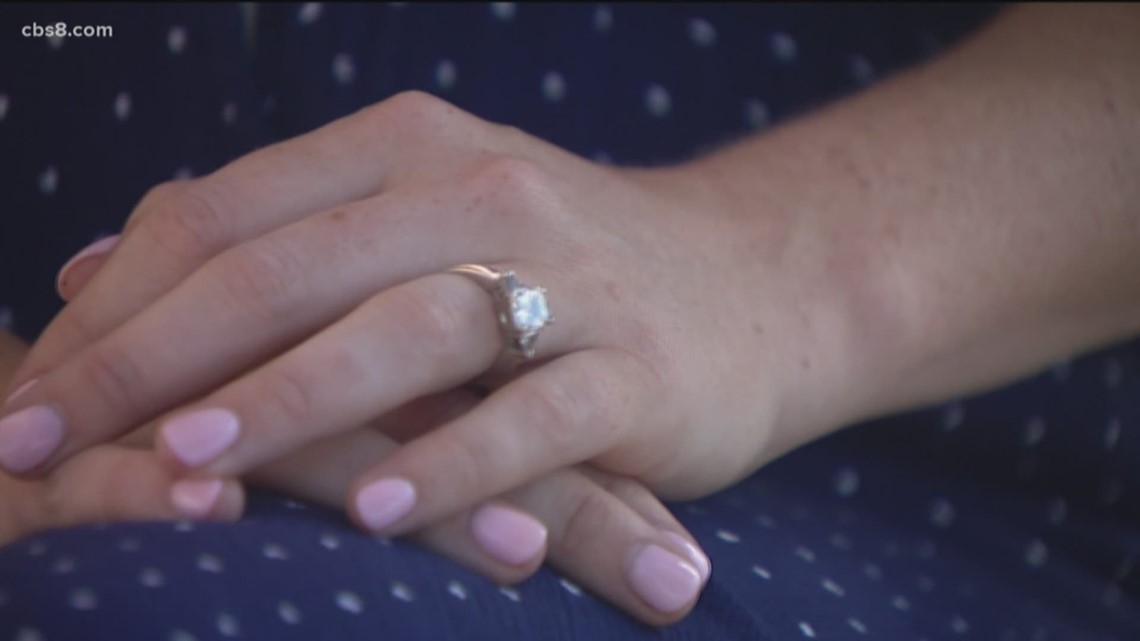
pixel 77 272
pixel 178 226
pixel 114 483
pixel 419 338
pixel 563 413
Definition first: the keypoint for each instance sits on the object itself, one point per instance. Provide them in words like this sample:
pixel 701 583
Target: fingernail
pixel 510 536
pixel 699 559
pixel 97 248
pixel 28 437
pixel 20 390
pixel 195 497
pixel 385 502
pixel 199 437
pixel 664 580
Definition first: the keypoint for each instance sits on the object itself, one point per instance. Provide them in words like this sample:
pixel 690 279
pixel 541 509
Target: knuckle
pixel 580 409
pixel 516 185
pixel 413 113
pixel 262 276
pixel 290 392
pixel 553 411
pixel 187 220
pixel 115 375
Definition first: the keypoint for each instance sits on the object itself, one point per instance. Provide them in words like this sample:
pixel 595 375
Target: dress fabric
pixel 1007 516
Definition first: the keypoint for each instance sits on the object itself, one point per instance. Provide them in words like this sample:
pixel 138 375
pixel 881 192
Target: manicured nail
pixel 97 248
pixel 699 559
pixel 199 437
pixel 28 437
pixel 20 390
pixel 664 580
pixel 196 497
pixel 385 502
pixel 508 535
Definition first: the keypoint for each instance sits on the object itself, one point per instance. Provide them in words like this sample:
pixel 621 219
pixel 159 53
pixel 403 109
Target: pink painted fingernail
pixel 28 437
pixel 195 497
pixel 510 536
pixel 199 437
pixel 385 502
pixel 20 390
pixel 664 580
pixel 97 248
pixel 699 559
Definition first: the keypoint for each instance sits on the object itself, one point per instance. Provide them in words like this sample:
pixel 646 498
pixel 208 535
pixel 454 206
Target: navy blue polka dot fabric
pixel 1010 516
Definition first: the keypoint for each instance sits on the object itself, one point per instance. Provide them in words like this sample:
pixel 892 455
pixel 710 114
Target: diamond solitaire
pixel 523 314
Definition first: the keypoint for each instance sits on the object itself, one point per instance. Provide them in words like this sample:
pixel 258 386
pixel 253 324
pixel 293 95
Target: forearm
pixel 973 219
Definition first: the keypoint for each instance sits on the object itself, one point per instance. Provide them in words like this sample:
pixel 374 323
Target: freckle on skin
pixel 339 215
pixel 612 290
pixel 757 329
pixel 805 364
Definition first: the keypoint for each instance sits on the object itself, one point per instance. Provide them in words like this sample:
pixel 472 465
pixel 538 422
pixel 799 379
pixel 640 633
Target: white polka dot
pixel 862 70
pixel 37 548
pixel 397 5
pixel 728 536
pixel 457 590
pixel 55 42
pixel 294 505
pixel 503 10
pixel 229 113
pixel 833 587
pixel 603 18
pixel 49 181
pixel 329 541
pixel 227 625
pixel 123 106
pixel 129 545
pixel 183 173
pixel 1034 432
pixel 344 68
pixel 184 526
pixel 657 101
pixel 807 630
pixel 63 565
pixel 695 509
pixel 176 39
pixel 402 591
pixel 570 586
pixel 942 513
pixel 925 584
pixel 873 572
pixel 510 593
pixel 349 602
pixel 445 74
pixel 309 12
pixel 275 551
pixel 857 625
pixel 181 635
pixel 1112 433
pixel 83 599
pixel 761 572
pixel 765 521
pixel 1113 372
pixel 1036 554
pixel 289 613
pixel 210 563
pixel 28 634
pixel 805 553
pixel 846 482
pixel 900 603
pixel 841 542
pixel 601 156
pixel 702 32
pixel 7 318
pixel 783 47
pixel 959 625
pixel 953 416
pixel 152 578
pixel 553 86
pixel 756 114
pixel 4 102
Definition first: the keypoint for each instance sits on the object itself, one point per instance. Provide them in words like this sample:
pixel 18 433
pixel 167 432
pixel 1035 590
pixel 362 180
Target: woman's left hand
pixel 298 292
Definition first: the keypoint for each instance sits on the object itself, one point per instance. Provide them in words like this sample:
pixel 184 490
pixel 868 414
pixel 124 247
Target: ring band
pixel 521 309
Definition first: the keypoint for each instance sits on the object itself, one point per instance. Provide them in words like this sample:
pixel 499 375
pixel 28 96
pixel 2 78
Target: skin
pixel 954 228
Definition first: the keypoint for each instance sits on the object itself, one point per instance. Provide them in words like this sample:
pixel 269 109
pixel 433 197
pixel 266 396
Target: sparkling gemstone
pixel 528 309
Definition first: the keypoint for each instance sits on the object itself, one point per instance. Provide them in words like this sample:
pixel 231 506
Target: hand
pixel 296 293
